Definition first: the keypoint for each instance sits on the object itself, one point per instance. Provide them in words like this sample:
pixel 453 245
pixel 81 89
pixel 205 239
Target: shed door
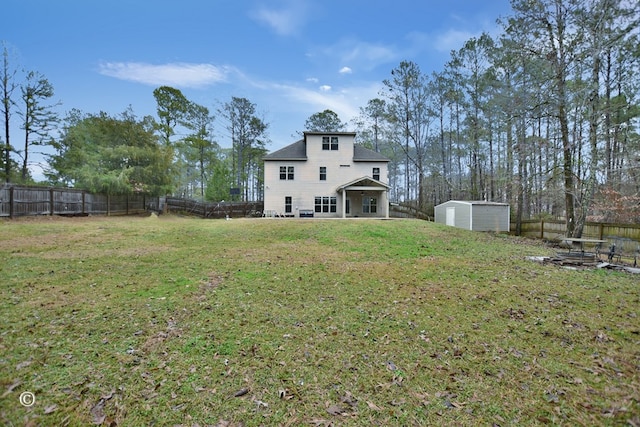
pixel 451 216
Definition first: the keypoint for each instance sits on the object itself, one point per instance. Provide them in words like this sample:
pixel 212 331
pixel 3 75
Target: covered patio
pixel 364 197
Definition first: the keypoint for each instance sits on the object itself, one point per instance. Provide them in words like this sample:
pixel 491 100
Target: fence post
pixel 11 202
pixel 108 204
pixel 51 206
pixel 83 203
pixel 601 233
pixel 541 229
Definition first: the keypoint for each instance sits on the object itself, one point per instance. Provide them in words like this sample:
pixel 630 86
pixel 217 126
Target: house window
pixel 369 205
pixel 323 173
pixel 287 204
pixel 326 204
pixel 376 174
pixel 330 143
pixel 286 173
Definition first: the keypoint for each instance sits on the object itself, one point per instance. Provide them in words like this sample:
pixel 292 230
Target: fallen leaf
pixel 349 400
pixel 241 392
pixel 552 397
pixel 23 364
pixel 97 412
pixel 373 406
pixel 11 388
pixel 335 410
pixel 50 409
pixel 108 395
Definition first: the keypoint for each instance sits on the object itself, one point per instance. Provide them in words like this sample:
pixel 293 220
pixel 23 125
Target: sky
pixel 291 58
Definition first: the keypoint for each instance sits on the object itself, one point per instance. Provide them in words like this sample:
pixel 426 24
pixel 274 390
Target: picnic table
pixel 596 242
pixel 583 256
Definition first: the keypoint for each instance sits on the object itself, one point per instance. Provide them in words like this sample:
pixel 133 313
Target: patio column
pixel 385 196
pixel 344 203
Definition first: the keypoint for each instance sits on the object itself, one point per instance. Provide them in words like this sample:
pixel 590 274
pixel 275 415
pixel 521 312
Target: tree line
pixel 174 153
pixel 543 116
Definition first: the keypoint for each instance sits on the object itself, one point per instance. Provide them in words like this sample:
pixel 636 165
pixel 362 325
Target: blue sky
pixel 292 58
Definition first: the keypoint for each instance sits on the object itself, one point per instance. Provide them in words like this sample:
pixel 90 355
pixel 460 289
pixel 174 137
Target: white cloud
pixel 345 70
pixel 325 88
pixel 313 80
pixel 362 54
pixel 345 102
pixel 452 39
pixel 286 20
pixel 175 74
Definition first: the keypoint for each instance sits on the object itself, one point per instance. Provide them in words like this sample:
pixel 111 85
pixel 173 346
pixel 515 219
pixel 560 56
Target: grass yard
pixel 132 321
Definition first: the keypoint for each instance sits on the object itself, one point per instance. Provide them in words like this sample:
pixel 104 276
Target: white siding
pixel 477 216
pixel 306 185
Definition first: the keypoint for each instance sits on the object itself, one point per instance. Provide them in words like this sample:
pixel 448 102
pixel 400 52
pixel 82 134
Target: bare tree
pixel 7 85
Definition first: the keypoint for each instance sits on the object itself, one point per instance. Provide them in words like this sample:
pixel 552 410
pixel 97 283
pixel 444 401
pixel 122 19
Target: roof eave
pixel 286 159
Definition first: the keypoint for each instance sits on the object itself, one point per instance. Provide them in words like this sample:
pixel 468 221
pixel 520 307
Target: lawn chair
pixel 613 253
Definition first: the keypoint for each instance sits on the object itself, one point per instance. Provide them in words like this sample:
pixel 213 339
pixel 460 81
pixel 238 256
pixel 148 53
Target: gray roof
pixel 298 151
pixel 476 202
pixel 295 151
pixel 361 154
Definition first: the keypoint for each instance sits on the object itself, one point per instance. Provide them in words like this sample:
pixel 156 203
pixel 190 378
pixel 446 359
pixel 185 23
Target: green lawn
pixel 134 321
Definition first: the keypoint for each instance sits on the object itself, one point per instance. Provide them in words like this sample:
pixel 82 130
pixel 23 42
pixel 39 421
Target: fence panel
pixel 5 201
pixel 31 201
pixel 26 200
pixel 96 204
pixel 625 236
pixel 68 202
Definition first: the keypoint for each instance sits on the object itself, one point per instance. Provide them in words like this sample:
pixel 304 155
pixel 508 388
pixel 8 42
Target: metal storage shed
pixel 474 215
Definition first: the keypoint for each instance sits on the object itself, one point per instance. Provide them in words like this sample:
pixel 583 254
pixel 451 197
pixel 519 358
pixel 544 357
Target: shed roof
pixel 477 202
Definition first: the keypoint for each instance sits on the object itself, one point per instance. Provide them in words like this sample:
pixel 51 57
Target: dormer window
pixel 330 143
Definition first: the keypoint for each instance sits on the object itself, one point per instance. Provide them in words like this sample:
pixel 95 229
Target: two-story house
pixel 326 174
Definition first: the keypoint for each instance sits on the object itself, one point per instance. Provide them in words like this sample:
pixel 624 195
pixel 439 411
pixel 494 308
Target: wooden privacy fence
pixel 214 209
pixel 26 200
pixel 17 200
pixel 625 236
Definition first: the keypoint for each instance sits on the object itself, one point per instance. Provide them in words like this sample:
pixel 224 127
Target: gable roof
pixel 362 182
pixel 298 151
pixel 362 154
pixel 295 151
